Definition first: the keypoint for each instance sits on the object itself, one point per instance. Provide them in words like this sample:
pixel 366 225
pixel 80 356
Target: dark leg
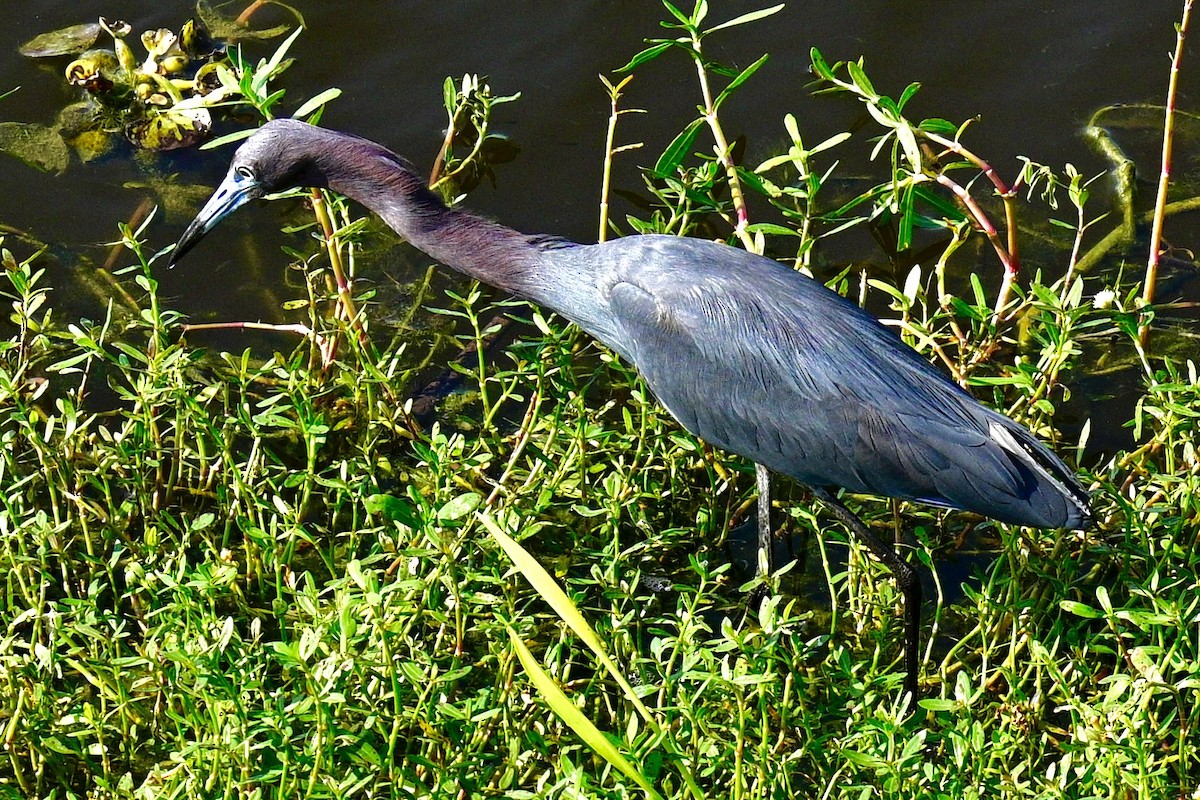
pixel 906 578
pixel 763 478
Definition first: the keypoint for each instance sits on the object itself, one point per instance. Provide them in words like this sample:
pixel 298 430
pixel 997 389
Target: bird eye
pixel 244 172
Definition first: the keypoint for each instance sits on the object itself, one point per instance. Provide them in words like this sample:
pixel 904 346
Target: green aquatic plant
pixel 162 101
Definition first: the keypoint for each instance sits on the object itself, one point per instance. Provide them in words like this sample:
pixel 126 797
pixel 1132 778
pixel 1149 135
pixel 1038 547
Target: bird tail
pixel 1054 492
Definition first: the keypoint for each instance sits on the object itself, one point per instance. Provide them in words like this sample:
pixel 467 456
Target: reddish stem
pixel 984 167
pixel 981 219
pixel 244 17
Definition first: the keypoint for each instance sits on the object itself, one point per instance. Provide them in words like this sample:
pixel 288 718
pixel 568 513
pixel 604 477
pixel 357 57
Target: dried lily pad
pixel 196 41
pixel 229 29
pixel 171 129
pixel 98 71
pixel 38 146
pixel 81 126
pixel 62 42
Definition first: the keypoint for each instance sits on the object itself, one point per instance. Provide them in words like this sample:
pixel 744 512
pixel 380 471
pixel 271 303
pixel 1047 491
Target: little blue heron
pixel 744 352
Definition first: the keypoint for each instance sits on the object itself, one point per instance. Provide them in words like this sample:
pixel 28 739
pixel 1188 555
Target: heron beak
pixel 234 192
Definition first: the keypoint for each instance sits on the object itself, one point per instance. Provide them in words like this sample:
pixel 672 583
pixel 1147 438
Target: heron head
pixel 274 159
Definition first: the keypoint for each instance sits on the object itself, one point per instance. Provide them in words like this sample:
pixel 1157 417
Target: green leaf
pixel 679 15
pixel 228 138
pixel 882 141
pixel 977 290
pixel 751 16
pixel 832 141
pixel 678 149
pixel 943 206
pixel 820 65
pixel 934 704
pixel 392 508
pixel 739 80
pixel 860 79
pixel 649 54
pixel 771 228
pixel 940 126
pixel 775 161
pixel 908 140
pixel 313 103
pixel 886 287
pixel 272 64
pixel 905 234
pixel 1079 609
pixel 907 95
pixel 557 599
pixel 573 718
pixel 459 507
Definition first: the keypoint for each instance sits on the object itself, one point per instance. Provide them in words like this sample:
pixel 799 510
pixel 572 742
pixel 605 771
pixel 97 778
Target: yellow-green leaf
pixel 574 719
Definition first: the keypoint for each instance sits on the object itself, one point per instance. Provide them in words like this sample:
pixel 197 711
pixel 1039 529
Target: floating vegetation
pixel 38 146
pixel 156 90
pixel 62 42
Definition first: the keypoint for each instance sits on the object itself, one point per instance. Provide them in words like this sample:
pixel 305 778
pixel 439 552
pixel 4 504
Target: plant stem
pixel 614 94
pixel 439 163
pixel 723 150
pixel 1164 178
pixel 345 297
pixel 981 219
pixel 244 17
pixel 1010 254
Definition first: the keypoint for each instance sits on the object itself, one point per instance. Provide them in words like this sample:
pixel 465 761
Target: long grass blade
pixel 567 611
pixel 574 719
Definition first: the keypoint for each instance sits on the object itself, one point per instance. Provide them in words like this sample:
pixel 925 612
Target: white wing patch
pixel 1002 437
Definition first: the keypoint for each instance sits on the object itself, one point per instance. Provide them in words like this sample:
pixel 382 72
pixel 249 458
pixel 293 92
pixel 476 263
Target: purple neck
pixel 383 182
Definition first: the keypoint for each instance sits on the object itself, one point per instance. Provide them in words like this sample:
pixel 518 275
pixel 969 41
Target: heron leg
pixel 763 478
pixel 906 578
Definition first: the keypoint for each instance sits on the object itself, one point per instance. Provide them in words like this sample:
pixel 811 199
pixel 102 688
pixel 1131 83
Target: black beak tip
pixel 186 242
pixel 174 256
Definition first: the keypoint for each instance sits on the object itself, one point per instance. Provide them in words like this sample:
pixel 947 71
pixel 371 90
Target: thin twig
pixel 1164 178
pixel 723 152
pixel 135 220
pixel 342 282
pixel 324 344
pixel 981 219
pixel 614 94
pixel 439 163
pixel 1010 254
pixel 244 17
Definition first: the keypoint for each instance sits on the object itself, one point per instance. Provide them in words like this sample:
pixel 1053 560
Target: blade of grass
pixel 549 589
pixel 574 719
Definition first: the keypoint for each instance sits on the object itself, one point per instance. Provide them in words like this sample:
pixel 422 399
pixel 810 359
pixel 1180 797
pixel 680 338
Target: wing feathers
pixel 769 364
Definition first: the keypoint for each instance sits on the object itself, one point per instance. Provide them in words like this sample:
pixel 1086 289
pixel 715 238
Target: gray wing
pixel 766 363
